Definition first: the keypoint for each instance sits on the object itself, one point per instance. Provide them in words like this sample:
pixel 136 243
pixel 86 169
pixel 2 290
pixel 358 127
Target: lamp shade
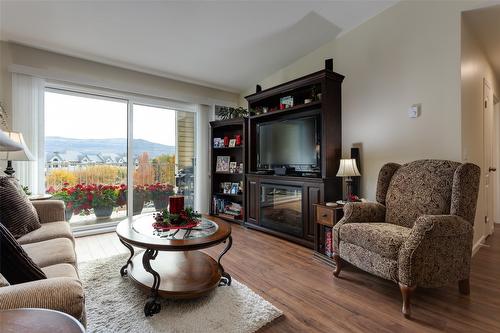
pixel 23 154
pixel 7 144
pixel 348 168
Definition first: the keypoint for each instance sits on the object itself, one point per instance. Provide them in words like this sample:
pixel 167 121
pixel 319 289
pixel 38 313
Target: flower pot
pixel 68 213
pixel 138 204
pixel 103 212
pixel 161 202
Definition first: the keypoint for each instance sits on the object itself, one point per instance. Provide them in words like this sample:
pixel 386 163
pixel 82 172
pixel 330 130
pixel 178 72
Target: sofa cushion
pixel 420 188
pixel 48 231
pixel 51 252
pixel 17 213
pixel 60 270
pixel 3 281
pixel 15 264
pixel 382 238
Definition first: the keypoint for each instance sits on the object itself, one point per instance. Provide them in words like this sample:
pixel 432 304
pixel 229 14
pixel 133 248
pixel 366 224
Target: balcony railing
pixel 98 192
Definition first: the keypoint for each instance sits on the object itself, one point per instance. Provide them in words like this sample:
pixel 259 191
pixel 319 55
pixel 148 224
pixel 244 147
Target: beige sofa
pixel 52 247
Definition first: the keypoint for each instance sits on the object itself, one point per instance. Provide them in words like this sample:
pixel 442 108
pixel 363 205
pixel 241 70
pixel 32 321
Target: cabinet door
pixel 313 197
pixel 253 200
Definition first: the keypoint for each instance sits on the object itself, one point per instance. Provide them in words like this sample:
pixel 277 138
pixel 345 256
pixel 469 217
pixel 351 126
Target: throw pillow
pixel 3 281
pixel 17 212
pixel 15 264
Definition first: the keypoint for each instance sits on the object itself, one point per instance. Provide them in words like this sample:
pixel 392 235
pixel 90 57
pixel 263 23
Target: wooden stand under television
pixel 220 129
pixel 323 186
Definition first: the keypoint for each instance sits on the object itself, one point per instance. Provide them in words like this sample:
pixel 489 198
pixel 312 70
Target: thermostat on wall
pixel 414 111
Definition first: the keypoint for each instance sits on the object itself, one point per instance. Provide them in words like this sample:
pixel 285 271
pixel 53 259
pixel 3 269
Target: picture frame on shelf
pixel 222 164
pixel 232 143
pixel 227 188
pixel 232 167
pixel 218 143
pixel 235 188
pixel 286 102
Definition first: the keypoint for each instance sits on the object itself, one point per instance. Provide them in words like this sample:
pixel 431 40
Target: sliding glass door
pixel 88 153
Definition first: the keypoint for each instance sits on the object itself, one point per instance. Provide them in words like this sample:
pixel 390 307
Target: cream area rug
pixel 116 304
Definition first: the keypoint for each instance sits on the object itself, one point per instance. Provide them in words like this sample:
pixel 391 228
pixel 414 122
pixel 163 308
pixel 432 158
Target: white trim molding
pixel 478 245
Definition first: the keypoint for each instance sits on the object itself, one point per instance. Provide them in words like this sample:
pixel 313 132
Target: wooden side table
pixel 38 320
pixel 37 197
pixel 325 217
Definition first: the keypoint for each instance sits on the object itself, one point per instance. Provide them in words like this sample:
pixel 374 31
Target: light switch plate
pixel 414 111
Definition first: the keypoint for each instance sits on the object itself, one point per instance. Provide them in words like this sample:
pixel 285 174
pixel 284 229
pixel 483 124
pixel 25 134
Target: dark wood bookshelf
pixel 229 195
pixel 229 219
pixel 220 129
pixel 223 148
pixel 229 173
pixel 301 107
pixel 317 95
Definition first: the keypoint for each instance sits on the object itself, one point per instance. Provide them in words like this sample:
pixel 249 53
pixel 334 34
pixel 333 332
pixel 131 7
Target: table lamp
pixel 348 169
pixel 22 154
pixel 6 144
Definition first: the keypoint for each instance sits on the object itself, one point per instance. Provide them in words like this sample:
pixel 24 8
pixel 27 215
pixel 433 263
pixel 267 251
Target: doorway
pixel 490 157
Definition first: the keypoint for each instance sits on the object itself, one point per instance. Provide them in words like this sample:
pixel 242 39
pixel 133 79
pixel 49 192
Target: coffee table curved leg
pixel 123 270
pixel 152 305
pixel 225 279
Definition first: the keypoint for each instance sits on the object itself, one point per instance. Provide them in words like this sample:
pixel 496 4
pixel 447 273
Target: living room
pixel 295 166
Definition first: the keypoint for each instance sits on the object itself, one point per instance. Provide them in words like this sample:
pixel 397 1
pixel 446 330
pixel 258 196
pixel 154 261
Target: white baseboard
pixel 478 245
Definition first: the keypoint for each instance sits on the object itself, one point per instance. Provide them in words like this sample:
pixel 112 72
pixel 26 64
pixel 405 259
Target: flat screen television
pixel 291 143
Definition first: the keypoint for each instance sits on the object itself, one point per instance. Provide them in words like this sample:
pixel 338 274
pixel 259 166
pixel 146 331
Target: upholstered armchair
pixel 418 232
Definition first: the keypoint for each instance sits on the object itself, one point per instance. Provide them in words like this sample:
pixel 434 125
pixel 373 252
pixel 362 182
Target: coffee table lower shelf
pixel 183 275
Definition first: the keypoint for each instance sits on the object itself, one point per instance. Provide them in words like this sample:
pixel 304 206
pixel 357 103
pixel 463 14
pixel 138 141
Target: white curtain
pixel 28 118
pixel 202 172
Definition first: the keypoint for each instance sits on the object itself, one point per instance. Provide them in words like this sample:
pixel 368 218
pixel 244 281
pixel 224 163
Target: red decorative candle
pixel 226 141
pixel 176 204
pixel 238 140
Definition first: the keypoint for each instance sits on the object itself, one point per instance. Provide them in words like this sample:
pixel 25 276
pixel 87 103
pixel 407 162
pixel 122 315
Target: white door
pixel 489 166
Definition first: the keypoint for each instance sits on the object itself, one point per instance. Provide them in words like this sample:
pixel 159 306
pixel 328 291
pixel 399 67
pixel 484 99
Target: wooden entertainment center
pixel 279 195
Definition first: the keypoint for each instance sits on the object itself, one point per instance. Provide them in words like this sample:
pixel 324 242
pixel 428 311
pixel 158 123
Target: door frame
pixel 490 179
pixel 496 156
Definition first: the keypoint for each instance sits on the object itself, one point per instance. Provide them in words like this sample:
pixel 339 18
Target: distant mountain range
pixel 96 146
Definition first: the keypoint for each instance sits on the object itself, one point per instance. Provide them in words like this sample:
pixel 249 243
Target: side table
pixel 37 197
pixel 325 218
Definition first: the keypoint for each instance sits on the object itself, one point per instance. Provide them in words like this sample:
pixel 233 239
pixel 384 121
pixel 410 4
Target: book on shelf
pixel 227 208
pixel 328 241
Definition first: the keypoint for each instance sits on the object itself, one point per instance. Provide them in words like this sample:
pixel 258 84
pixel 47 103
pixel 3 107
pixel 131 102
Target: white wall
pixel 474 67
pixel 408 54
pixel 50 65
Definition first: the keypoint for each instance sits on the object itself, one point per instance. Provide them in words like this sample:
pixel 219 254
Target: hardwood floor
pixel 303 288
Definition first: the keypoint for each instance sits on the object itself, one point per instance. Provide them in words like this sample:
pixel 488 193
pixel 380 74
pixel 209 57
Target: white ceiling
pixel 485 23
pixel 229 45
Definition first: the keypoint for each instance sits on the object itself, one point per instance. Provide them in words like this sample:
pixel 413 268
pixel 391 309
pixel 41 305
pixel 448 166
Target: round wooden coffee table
pixel 171 266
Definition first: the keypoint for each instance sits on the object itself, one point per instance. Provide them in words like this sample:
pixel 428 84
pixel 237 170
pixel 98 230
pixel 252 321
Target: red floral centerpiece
pixel 176 217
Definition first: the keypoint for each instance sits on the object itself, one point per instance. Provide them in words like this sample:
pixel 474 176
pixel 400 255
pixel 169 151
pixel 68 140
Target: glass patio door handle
pixel 492 169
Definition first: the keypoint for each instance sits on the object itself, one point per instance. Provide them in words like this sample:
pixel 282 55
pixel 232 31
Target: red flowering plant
pixel 72 196
pixel 99 196
pixel 187 216
pixel 160 191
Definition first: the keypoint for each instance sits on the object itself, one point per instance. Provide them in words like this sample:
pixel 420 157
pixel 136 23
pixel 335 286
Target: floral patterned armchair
pixel 419 232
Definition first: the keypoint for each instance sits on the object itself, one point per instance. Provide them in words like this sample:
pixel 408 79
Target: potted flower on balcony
pixel 159 194
pixel 71 197
pixel 103 199
pixel 140 196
